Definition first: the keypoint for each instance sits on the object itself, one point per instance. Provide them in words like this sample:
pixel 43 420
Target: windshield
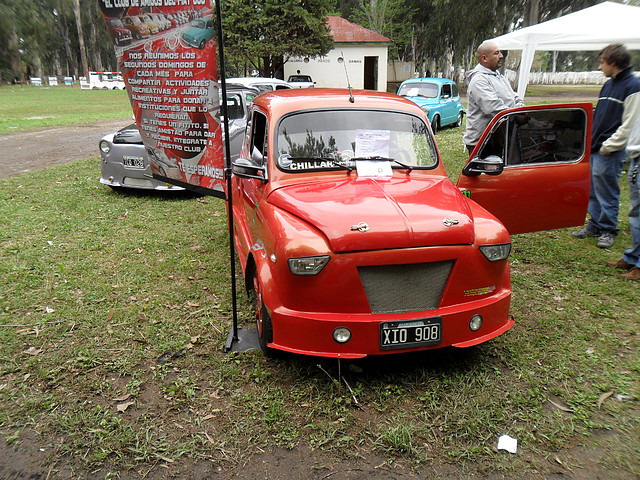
pixel 329 140
pixel 429 90
pixel 198 24
pixel 235 110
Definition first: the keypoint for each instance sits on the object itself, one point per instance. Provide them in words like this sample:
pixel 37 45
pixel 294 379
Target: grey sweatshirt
pixel 488 93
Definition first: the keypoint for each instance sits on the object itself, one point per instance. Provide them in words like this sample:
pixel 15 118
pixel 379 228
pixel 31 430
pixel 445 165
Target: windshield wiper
pixel 333 161
pixel 378 158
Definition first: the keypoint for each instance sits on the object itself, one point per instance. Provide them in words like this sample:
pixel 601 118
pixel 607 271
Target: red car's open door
pixel 531 167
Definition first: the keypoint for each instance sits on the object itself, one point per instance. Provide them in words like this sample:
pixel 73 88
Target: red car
pixel 356 242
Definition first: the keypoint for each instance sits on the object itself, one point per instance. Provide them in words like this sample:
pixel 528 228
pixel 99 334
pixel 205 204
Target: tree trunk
pixel 532 14
pixel 96 58
pixel 17 71
pixel 69 58
pixel 83 50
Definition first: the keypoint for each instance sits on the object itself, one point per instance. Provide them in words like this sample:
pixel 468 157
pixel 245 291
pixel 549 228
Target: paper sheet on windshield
pixel 373 143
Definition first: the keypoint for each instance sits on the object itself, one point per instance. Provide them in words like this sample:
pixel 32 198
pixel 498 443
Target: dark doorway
pixel 371 73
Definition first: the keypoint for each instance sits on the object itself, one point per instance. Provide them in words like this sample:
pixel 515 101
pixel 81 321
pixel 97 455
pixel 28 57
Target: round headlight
pixel 105 147
pixel 475 323
pixel 342 334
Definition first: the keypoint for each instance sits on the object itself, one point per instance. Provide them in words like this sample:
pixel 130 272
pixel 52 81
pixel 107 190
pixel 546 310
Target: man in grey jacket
pixel 630 260
pixel 488 93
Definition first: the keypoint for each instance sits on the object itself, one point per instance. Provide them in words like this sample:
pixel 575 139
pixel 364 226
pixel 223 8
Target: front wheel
pixel 264 327
pixel 460 117
pixel 435 123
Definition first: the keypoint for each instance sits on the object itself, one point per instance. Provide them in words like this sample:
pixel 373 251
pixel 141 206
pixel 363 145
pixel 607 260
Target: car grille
pixel 405 288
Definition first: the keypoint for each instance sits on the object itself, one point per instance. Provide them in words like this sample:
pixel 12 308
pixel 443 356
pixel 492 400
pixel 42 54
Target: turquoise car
pixel 199 32
pixel 438 97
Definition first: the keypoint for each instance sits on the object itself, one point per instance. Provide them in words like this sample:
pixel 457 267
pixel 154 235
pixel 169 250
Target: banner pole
pixel 227 171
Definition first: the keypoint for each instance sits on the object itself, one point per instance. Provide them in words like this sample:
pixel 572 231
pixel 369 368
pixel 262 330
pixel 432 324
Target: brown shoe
pixel 619 264
pixel 633 274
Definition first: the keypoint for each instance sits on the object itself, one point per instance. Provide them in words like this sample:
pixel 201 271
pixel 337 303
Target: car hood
pixel 424 101
pixel 399 213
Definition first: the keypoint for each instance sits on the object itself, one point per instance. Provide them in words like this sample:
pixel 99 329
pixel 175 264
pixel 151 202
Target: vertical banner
pixel 167 52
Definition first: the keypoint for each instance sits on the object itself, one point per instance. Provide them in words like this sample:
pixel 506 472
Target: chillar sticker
pixel 167 52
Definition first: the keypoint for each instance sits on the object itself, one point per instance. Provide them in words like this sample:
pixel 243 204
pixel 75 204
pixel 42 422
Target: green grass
pixel 24 107
pixel 115 308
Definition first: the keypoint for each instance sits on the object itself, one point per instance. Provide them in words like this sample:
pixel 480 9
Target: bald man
pixel 488 93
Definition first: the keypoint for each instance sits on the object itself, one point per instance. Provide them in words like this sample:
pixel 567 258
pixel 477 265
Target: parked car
pixel 120 34
pixel 149 22
pixel 137 27
pixel 199 32
pixel 261 83
pixel 125 160
pixel 354 240
pixel 438 97
pixel 301 81
pixel 161 20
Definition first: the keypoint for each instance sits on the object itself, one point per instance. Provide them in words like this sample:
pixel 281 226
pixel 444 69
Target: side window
pixel 455 91
pixel 446 90
pixel 536 137
pixel 258 138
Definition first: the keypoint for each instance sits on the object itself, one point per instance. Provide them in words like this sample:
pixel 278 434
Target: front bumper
pixel 318 328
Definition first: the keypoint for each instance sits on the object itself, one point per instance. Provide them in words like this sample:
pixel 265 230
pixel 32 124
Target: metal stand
pixel 237 340
pixel 242 340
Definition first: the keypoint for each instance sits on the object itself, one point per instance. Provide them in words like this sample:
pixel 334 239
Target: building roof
pixel 343 31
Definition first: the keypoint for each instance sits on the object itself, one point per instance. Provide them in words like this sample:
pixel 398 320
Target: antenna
pixel 341 60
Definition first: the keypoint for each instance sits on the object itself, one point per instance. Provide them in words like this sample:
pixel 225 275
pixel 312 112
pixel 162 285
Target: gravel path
pixel 22 152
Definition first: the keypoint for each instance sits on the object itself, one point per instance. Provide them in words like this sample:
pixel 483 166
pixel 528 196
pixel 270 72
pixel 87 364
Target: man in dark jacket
pixel 618 106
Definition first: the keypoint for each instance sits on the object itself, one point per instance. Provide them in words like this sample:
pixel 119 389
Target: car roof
pixel 281 102
pixel 255 80
pixel 429 80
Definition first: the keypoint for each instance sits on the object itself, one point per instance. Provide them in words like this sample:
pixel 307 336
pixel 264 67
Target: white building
pixel 364 52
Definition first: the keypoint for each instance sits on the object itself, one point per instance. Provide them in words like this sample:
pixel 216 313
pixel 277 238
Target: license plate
pixel 133 162
pixel 415 333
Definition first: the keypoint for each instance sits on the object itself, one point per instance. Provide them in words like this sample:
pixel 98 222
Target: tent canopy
pixel 590 29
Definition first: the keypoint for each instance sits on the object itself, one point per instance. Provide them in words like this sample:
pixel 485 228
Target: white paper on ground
pixel 510 444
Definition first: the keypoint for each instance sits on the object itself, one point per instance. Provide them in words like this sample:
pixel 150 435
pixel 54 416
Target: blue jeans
pixel 632 255
pixel 604 200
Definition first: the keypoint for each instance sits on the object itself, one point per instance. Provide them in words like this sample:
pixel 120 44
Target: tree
pixel 264 34
pixel 391 18
pixel 83 50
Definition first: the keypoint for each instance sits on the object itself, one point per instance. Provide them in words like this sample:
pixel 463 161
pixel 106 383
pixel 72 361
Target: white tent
pixel 590 29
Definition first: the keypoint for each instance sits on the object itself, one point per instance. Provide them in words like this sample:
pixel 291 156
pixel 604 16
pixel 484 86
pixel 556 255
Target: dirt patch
pixel 45 147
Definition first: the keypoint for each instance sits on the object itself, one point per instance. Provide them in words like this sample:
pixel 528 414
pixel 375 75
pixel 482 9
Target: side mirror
pixel 245 168
pixel 491 165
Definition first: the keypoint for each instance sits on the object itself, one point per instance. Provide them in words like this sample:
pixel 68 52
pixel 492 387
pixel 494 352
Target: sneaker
pixel 606 240
pixel 621 264
pixel 633 274
pixel 584 233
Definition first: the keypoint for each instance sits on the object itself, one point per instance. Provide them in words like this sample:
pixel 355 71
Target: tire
pixel 264 327
pixel 435 124
pixel 202 44
pixel 460 118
